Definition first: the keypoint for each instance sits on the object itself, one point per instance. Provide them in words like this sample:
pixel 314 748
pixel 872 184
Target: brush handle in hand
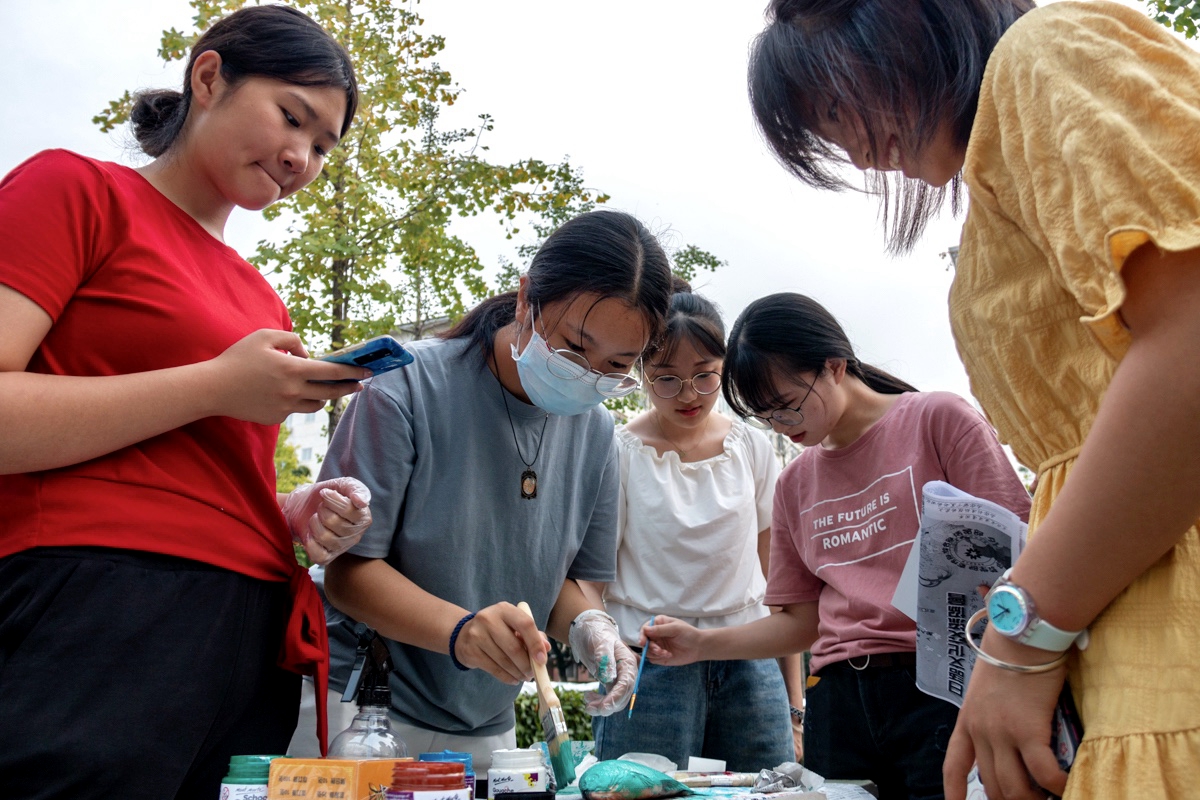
pixel 540 676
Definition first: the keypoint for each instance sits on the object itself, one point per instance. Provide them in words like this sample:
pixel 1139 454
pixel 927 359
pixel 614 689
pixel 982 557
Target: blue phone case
pixel 380 354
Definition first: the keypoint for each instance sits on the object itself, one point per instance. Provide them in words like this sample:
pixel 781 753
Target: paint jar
pixel 453 756
pixel 421 780
pixel 520 772
pixel 247 778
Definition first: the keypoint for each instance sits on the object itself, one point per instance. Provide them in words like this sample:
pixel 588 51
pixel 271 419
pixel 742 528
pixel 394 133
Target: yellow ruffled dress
pixel 1087 145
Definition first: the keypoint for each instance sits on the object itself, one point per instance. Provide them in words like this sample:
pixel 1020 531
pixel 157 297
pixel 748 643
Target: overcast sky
pixel 647 97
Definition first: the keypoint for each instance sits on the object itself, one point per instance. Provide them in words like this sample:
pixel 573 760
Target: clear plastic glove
pixel 595 642
pixel 328 517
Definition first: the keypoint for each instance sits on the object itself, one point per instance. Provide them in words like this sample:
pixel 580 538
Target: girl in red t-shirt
pixel 147 576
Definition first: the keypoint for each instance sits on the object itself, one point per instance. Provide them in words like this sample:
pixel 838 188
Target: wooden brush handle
pixel 540 676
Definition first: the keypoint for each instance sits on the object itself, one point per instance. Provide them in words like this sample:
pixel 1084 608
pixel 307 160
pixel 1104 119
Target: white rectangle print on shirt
pixel 847 530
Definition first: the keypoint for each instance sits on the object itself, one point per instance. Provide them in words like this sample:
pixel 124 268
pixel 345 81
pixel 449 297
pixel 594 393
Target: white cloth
pixel 689 533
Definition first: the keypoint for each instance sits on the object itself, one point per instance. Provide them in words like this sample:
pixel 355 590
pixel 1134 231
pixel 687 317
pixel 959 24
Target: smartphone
pixel 1066 730
pixel 379 354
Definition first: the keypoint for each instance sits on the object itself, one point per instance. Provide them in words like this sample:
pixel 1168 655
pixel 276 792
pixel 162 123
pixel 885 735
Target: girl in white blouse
pixel 694 522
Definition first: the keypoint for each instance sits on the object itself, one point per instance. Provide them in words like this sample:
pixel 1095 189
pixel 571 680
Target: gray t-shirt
pixel 433 443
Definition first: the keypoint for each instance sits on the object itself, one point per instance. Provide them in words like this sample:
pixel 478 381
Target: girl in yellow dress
pixel 1076 309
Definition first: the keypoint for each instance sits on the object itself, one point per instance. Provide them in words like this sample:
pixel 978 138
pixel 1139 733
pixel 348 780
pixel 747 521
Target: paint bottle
pixel 520 774
pixel 421 780
pixel 461 758
pixel 247 778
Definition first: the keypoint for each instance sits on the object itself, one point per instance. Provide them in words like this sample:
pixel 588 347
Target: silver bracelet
pixel 995 662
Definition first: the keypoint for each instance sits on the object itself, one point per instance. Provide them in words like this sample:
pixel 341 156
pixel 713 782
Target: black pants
pixel 136 676
pixel 876 724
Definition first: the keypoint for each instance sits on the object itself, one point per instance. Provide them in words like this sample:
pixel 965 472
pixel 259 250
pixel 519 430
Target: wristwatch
pixel 1012 613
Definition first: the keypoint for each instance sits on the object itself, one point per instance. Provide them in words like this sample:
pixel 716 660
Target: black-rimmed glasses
pixel 787 417
pixel 667 386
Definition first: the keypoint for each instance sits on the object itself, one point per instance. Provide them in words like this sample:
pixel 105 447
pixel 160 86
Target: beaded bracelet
pixel 996 662
pixel 454 638
pixel 797 714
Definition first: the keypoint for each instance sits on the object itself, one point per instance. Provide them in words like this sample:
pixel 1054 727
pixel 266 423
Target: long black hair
pixel 906 65
pixel 782 336
pixel 604 253
pixel 272 41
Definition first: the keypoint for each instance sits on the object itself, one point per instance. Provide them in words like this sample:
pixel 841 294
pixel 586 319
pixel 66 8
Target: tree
pixel 289 472
pixel 370 242
pixel 1181 16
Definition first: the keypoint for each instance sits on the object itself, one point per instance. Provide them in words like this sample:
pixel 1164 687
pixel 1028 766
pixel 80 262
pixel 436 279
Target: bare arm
pixel 1134 490
pixel 49 421
pixel 594 592
pixel 372 591
pixel 572 601
pixel 1132 495
pixel 792 630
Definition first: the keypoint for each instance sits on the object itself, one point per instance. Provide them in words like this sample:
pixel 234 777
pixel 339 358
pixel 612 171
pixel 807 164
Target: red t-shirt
pixel 135 284
pixel 845 520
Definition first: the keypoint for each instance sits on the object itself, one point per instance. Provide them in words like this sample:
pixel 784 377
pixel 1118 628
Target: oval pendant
pixel 528 484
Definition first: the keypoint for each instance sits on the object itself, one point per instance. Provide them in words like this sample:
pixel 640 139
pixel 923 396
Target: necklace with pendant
pixel 662 432
pixel 529 478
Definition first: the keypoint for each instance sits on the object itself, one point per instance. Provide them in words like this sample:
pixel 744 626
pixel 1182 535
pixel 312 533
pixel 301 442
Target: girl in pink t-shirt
pixel 846 513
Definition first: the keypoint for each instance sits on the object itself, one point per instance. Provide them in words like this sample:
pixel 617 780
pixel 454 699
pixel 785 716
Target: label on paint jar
pixel 243 791
pixel 511 781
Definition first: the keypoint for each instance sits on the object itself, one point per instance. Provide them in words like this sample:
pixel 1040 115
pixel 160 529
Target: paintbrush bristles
pixel 554 724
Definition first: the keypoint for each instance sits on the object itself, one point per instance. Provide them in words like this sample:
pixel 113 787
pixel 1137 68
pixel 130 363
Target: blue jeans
pixel 876 724
pixel 736 711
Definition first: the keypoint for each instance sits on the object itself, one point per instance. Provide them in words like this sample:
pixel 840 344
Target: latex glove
pixel 328 517
pixel 595 642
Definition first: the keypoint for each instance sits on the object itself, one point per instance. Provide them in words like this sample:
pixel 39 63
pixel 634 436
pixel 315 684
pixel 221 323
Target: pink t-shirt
pixel 845 520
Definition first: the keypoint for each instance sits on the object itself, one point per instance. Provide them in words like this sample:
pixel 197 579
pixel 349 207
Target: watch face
pixel 1007 611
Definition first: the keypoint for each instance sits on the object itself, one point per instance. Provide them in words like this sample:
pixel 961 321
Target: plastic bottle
pixel 461 758
pixel 370 734
pixel 247 778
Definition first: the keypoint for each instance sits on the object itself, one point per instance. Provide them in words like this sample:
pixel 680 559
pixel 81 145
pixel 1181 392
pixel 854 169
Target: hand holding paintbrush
pixel 554 724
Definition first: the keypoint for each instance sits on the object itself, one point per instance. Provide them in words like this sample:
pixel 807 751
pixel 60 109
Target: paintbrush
pixel 638 680
pixel 554 724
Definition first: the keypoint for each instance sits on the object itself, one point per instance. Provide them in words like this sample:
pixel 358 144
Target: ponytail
pixel 789 334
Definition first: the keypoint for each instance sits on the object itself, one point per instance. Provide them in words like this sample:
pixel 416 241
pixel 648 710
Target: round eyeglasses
pixel 666 386
pixel 786 417
pixel 574 366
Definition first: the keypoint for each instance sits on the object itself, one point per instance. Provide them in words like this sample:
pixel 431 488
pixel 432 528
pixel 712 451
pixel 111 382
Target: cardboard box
pixel 330 779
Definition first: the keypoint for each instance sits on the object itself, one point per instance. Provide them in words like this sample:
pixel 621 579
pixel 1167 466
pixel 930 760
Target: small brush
pixel 554 724
pixel 638 680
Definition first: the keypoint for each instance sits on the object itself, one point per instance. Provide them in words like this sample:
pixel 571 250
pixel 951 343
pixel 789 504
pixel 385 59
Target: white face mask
pixel 550 392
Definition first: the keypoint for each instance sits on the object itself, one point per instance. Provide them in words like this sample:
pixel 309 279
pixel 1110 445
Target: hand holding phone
pixel 380 354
